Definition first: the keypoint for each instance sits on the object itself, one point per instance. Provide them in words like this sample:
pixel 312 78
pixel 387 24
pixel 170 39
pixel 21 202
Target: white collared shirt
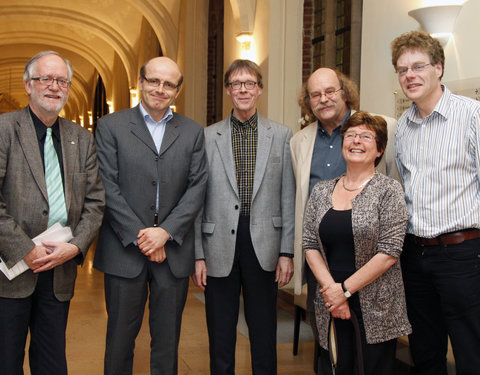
pixel 438 158
pixel 156 128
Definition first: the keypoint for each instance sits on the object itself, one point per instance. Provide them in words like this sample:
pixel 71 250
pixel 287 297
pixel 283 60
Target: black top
pixel 336 234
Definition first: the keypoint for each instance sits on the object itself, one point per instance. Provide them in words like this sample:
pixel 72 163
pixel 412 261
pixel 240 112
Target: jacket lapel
pixel 70 152
pixel 306 151
pixel 265 138
pixel 29 143
pixel 224 145
pixel 139 129
pixel 170 135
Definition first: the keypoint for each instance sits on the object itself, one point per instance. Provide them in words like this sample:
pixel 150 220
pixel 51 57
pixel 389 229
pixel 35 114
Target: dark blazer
pixel 131 167
pixel 24 203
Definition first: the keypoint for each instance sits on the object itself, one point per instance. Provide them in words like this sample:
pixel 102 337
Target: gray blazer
pixel 131 167
pixel 24 203
pixel 273 199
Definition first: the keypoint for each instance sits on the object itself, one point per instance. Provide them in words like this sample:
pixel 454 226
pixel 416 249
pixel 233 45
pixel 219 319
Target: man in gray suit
pixel 39 298
pixel 153 166
pixel 245 238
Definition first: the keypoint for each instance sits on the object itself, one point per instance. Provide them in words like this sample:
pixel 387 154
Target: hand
pixel 57 254
pixel 333 295
pixel 152 240
pixel 284 271
pixel 36 253
pixel 342 311
pixel 158 256
pixel 199 278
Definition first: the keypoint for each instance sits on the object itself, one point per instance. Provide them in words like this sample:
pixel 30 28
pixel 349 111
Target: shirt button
pixel 45 213
pixel 328 164
pixel 331 146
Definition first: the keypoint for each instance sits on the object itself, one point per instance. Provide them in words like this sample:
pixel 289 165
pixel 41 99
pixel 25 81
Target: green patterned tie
pixel 53 178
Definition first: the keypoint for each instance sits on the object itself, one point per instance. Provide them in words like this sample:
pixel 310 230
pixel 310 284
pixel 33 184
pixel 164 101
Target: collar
pixel 41 128
pixel 442 107
pixel 250 123
pixel 148 118
pixel 322 131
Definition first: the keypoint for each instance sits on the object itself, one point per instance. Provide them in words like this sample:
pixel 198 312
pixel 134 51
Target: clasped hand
pixel 50 255
pixel 335 301
pixel 151 242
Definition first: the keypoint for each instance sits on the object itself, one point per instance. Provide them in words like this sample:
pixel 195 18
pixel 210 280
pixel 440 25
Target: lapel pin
pixel 72 142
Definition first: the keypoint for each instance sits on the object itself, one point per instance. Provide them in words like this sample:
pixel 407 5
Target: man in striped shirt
pixel 437 148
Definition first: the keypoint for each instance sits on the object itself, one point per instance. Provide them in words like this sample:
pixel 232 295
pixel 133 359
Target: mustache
pixel 319 107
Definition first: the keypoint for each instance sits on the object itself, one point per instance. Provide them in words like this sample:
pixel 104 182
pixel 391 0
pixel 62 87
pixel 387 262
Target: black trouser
pixel 442 285
pixel 378 359
pixel 222 306
pixel 46 317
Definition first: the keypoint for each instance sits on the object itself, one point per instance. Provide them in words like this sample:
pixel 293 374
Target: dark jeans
pixel 222 306
pixel 442 285
pixel 46 317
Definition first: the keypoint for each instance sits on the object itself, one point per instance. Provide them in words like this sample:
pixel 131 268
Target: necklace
pixel 358 187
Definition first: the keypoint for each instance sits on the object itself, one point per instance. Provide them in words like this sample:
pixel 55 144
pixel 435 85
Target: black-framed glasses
pixel 329 93
pixel 237 85
pixel 416 68
pixel 47 81
pixel 169 86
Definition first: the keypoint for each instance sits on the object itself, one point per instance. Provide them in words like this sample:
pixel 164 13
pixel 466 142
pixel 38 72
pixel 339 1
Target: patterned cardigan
pixel 379 220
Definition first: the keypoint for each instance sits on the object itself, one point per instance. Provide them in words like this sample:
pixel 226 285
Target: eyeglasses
pixel 367 137
pixel 329 93
pixel 416 68
pixel 168 86
pixel 47 81
pixel 237 85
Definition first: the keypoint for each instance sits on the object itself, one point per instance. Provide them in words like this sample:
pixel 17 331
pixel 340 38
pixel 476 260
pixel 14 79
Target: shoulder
pixel 185 122
pixel 119 117
pixel 321 188
pixel 11 118
pixel 308 131
pixel 75 128
pixel 384 184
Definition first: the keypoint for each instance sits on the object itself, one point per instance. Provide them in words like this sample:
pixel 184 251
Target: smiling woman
pixel 353 236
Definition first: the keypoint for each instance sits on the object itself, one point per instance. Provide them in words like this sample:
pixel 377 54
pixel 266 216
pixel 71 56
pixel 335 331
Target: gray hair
pixel 29 68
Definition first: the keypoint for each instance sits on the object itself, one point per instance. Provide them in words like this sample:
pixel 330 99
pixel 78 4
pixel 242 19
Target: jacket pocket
pixel 277 221
pixel 208 228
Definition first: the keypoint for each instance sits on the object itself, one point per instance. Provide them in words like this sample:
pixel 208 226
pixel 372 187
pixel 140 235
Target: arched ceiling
pixel 92 34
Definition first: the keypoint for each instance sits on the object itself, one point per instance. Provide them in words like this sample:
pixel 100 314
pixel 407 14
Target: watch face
pixel 347 294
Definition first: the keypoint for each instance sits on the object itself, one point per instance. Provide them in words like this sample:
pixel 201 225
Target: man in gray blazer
pixel 153 166
pixel 39 298
pixel 244 238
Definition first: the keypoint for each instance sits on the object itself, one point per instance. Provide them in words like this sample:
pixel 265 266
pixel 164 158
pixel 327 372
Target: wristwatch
pixel 346 293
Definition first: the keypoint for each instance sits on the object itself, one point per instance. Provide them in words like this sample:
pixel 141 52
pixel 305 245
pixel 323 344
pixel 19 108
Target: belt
pixel 453 238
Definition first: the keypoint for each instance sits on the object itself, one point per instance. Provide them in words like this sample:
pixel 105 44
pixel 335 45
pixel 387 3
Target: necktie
pixel 53 179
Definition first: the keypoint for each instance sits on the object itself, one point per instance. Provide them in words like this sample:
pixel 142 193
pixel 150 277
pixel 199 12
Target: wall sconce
pixel 82 122
pixel 90 118
pixel 438 21
pixel 245 40
pixel 110 106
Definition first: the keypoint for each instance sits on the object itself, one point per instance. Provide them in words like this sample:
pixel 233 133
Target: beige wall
pixel 384 20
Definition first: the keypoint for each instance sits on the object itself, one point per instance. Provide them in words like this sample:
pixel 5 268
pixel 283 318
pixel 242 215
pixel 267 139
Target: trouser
pixel 125 299
pixel 378 359
pixel 222 306
pixel 46 317
pixel 442 285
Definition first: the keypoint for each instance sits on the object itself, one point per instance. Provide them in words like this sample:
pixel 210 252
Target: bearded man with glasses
pixel 48 176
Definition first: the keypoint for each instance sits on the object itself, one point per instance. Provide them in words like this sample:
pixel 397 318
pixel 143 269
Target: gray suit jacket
pixel 131 167
pixel 273 199
pixel 24 203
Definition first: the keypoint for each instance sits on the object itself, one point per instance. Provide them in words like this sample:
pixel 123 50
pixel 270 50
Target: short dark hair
pixel 418 41
pixel 349 94
pixel 377 124
pixel 244 65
